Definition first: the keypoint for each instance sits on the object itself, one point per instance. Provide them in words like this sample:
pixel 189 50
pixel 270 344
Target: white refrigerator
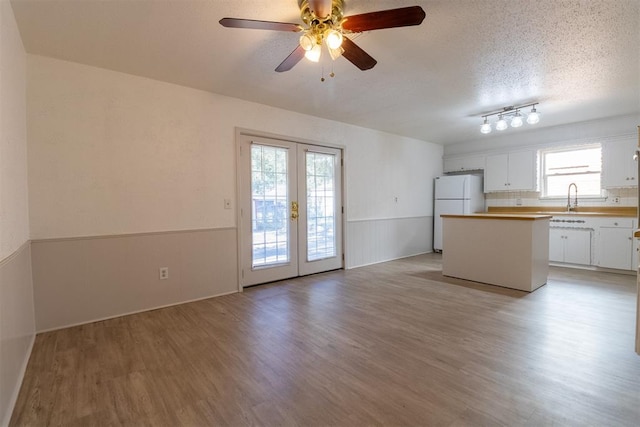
pixel 455 194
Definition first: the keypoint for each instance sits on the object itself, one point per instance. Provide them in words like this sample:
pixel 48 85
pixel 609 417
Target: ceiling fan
pixel 326 25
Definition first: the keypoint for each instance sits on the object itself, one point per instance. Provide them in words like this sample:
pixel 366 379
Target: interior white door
pixel 290 209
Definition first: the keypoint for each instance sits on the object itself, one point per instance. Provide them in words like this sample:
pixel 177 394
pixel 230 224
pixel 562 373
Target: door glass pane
pixel 269 206
pixel 321 199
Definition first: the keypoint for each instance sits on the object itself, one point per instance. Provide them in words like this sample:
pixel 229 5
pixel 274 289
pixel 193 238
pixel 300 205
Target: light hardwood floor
pixel 394 343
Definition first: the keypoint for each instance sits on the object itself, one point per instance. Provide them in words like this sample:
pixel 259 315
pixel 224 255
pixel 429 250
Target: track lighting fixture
pixel 514 113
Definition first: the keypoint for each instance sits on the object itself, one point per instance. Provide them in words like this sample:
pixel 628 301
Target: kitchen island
pixel 499 249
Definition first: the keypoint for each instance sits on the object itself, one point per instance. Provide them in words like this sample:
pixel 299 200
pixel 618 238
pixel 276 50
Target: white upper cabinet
pixel 618 167
pixel 510 172
pixel 464 163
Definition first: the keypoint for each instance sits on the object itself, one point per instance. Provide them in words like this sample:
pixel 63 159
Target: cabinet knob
pixel 615 223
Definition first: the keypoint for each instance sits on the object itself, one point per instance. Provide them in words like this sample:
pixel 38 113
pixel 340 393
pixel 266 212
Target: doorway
pixel 290 209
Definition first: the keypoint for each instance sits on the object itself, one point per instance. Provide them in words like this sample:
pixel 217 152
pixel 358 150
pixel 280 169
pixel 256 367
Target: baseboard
pixel 593 268
pixel 101 319
pixel 387 260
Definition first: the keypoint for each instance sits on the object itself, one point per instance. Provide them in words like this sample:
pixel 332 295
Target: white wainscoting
pixel 81 280
pixel 370 241
pixel 17 330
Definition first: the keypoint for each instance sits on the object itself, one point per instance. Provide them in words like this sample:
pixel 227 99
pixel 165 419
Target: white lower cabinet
pixel 615 245
pixel 605 242
pixel 570 246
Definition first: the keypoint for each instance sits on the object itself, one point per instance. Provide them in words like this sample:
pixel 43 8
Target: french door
pixel 290 209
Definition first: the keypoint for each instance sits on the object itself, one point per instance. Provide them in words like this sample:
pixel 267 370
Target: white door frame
pixel 240 133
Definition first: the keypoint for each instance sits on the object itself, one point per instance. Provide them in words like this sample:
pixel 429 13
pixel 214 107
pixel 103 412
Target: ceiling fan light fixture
pixel 307 42
pixel 333 39
pixel 533 117
pixel 516 121
pixel 325 24
pixel 313 55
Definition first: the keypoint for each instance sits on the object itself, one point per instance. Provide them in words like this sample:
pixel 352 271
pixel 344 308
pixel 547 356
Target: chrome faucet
pixel 575 201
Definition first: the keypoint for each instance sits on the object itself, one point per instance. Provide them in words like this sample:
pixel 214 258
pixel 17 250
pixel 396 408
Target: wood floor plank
pixel 394 343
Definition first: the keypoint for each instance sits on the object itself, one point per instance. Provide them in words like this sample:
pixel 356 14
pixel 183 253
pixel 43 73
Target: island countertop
pixel 520 217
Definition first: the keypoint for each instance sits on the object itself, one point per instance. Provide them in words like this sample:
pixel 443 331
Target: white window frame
pixel 543 181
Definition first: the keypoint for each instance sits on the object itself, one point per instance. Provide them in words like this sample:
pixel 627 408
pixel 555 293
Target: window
pixel 581 165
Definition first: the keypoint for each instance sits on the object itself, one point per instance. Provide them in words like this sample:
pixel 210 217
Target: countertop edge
pixel 589 211
pixel 517 217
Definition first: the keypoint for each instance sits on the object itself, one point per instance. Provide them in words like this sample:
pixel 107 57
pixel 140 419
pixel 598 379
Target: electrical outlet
pixel 227 203
pixel 164 273
pixel 615 199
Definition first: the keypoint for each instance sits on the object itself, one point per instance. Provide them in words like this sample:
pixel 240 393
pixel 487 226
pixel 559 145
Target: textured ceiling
pixel 579 59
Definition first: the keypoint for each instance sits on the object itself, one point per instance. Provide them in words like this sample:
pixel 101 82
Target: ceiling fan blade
pixel 259 25
pixel 321 8
pixel 402 17
pixel 357 56
pixel 291 60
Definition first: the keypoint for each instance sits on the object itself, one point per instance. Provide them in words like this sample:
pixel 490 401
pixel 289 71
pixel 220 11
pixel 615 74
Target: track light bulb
pixel 533 116
pixel 516 121
pixel 486 127
pixel 501 124
pixel 313 55
pixel 334 39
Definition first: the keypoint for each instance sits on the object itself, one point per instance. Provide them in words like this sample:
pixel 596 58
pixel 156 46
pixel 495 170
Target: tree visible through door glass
pixel 269 205
pixel 321 199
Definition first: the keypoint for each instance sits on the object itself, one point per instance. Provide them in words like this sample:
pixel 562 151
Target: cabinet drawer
pixel 616 222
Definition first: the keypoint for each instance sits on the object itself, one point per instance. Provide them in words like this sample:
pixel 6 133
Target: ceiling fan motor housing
pixel 311 18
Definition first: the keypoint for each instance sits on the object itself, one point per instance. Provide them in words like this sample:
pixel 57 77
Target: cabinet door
pixel 577 249
pixel 556 245
pixel 522 171
pixel 615 247
pixel 618 167
pixel 496 173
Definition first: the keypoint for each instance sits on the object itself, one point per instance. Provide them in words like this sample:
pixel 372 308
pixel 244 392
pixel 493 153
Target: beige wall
pixel 16 291
pixel 14 219
pixel 112 154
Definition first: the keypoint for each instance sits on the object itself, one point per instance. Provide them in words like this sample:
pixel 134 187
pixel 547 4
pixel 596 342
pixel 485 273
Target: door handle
pixel 294 210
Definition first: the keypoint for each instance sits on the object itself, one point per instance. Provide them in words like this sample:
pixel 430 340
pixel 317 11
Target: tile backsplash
pixel 624 196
